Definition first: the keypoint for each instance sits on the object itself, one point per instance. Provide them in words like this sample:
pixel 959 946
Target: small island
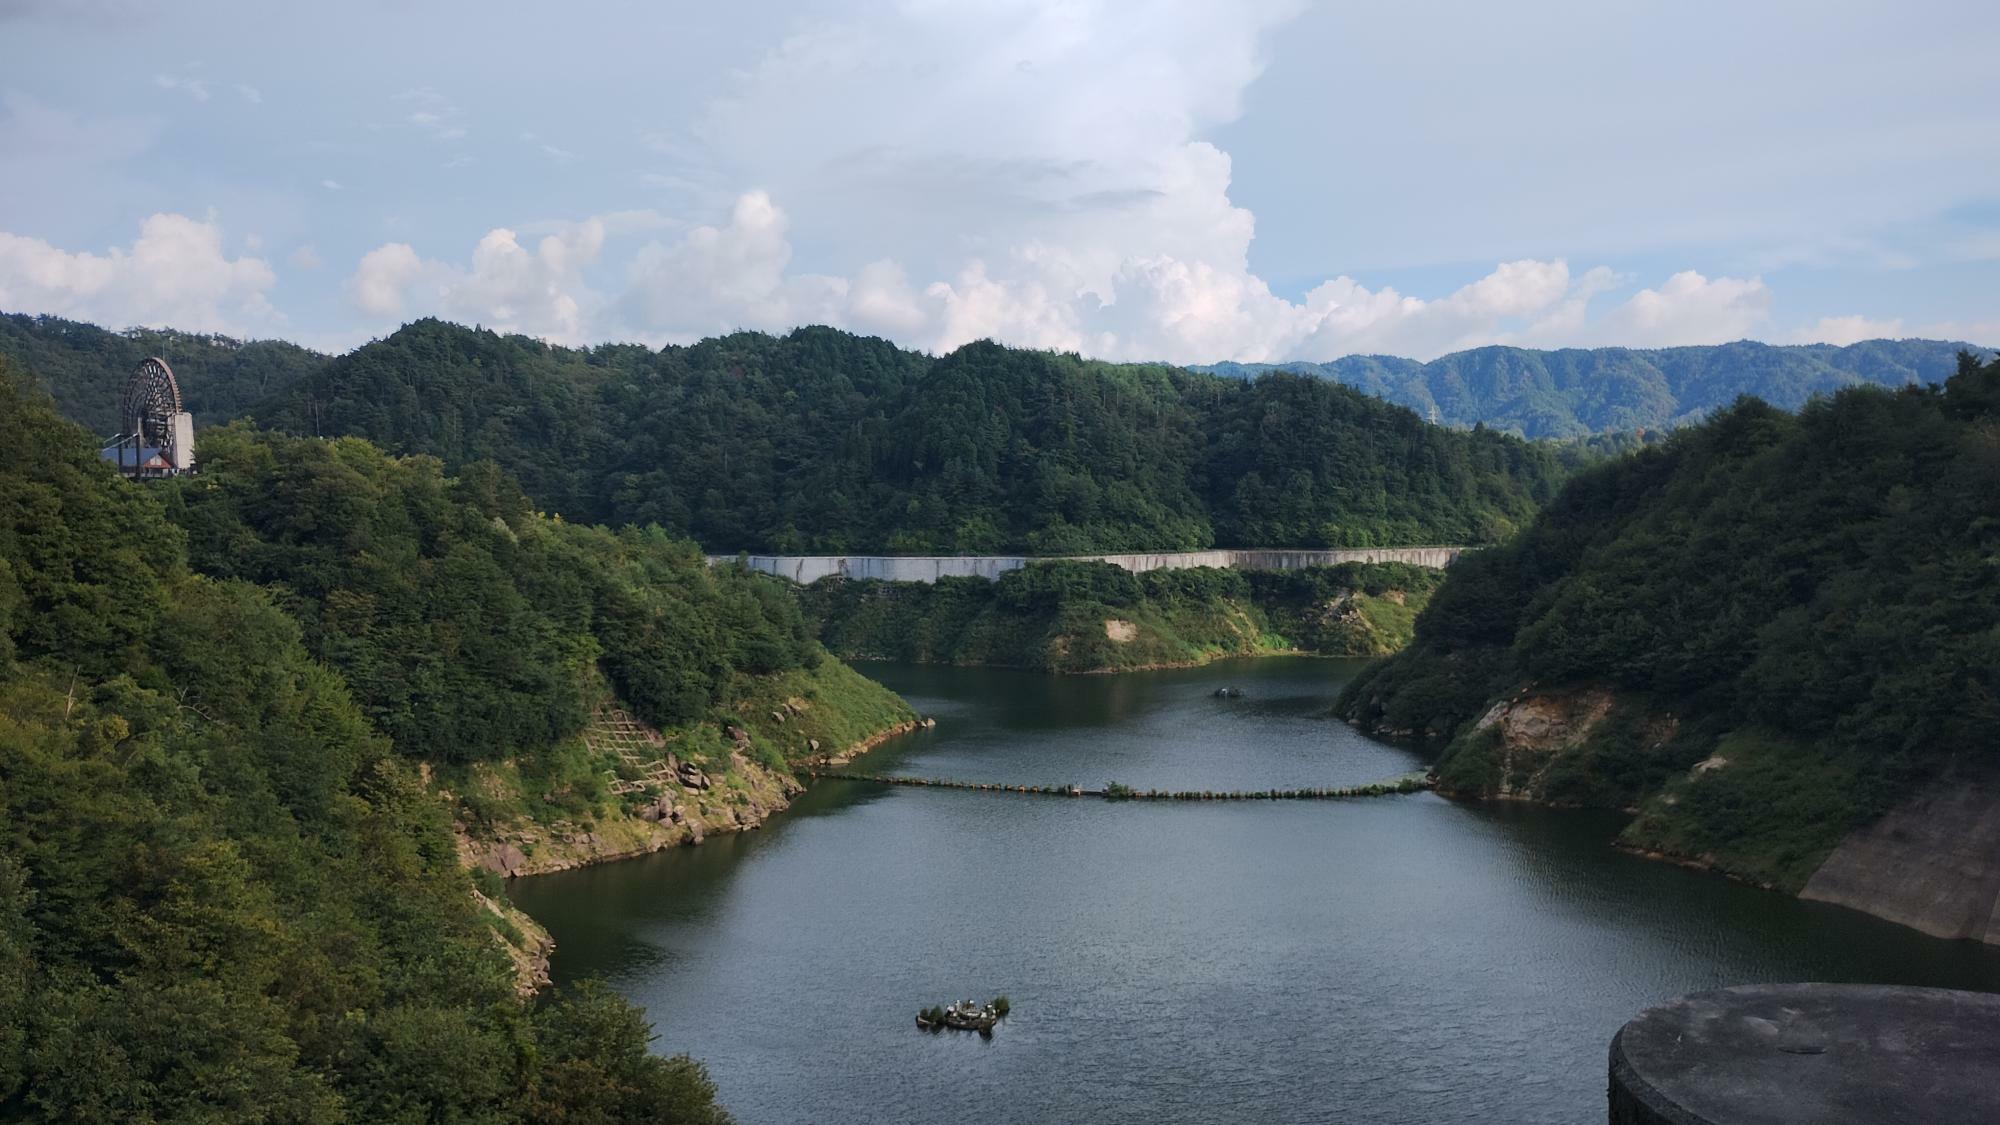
pixel 965 1015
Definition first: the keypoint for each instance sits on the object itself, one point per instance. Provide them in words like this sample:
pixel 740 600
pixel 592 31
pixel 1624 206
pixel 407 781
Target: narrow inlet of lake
pixel 1393 959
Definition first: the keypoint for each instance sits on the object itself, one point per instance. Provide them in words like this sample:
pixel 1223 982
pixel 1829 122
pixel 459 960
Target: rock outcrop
pixel 686 811
pixel 1932 863
pixel 1532 731
pixel 527 945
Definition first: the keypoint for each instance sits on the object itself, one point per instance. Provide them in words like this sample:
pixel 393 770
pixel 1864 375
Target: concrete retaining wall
pixel 930 568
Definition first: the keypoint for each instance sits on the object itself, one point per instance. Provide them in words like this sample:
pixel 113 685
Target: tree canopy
pixel 822 441
pixel 1823 580
pixel 461 618
pixel 224 896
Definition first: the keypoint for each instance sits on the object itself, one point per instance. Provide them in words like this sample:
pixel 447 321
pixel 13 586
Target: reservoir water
pixel 1395 959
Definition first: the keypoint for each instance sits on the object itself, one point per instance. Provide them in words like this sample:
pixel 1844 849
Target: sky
pixel 1198 181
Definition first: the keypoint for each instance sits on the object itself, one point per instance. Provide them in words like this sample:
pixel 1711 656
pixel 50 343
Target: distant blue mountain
pixel 1577 391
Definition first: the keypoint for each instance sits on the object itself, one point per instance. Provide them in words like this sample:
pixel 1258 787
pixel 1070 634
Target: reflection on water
pixel 1386 960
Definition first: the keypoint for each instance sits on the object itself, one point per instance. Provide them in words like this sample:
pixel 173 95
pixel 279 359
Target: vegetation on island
pixel 1578 392
pixel 1073 616
pixel 1789 622
pixel 225 893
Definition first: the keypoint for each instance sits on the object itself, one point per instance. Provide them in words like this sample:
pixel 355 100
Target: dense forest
pixel 1578 391
pixel 461 620
pixel 85 367
pixel 1074 616
pixel 1805 605
pixel 225 893
pixel 822 441
pixel 481 636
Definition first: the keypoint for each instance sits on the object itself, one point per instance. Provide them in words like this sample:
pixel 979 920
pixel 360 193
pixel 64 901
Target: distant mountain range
pixel 1577 391
pixel 1566 393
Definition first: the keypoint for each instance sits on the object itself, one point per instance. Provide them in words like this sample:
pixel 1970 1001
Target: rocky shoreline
pixel 1927 864
pixel 874 740
pixel 683 815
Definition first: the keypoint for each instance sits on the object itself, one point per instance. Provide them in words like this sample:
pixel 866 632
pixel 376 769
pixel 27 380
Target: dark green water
pixel 1401 959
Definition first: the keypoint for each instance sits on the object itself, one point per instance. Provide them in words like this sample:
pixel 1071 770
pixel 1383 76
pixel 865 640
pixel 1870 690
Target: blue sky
pixel 1242 179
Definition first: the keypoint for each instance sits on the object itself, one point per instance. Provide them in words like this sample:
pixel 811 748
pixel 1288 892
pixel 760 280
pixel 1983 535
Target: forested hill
pixel 1572 392
pixel 224 894
pixel 1764 632
pixel 821 441
pixel 85 367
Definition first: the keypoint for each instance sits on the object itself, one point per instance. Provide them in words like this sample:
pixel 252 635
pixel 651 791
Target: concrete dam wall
pixel 930 568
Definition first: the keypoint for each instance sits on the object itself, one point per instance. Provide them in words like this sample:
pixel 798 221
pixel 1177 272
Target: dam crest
pixel 807 569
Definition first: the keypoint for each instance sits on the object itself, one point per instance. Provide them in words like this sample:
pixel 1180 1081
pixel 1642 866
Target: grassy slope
pixel 1795 615
pixel 558 809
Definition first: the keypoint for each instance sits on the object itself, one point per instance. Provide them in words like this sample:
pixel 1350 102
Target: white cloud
pixel 384 274
pixel 195 88
pixel 506 286
pixel 249 93
pixel 1152 307
pixel 1984 333
pixel 737 274
pixel 714 279
pixel 330 185
pixel 305 258
pixel 174 274
pixel 1848 330
pixel 1034 173
pixel 1688 309
pixel 1043 168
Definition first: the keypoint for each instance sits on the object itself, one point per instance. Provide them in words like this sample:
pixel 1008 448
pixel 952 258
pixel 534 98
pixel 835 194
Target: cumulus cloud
pixel 716 278
pixel 1041 170
pixel 1155 306
pixel 1689 309
pixel 383 278
pixel 737 274
pixel 176 273
pixel 1038 174
pixel 506 286
pixel 1845 330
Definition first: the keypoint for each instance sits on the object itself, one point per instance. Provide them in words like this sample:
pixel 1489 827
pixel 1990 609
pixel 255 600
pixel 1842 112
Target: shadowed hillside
pixel 1766 632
